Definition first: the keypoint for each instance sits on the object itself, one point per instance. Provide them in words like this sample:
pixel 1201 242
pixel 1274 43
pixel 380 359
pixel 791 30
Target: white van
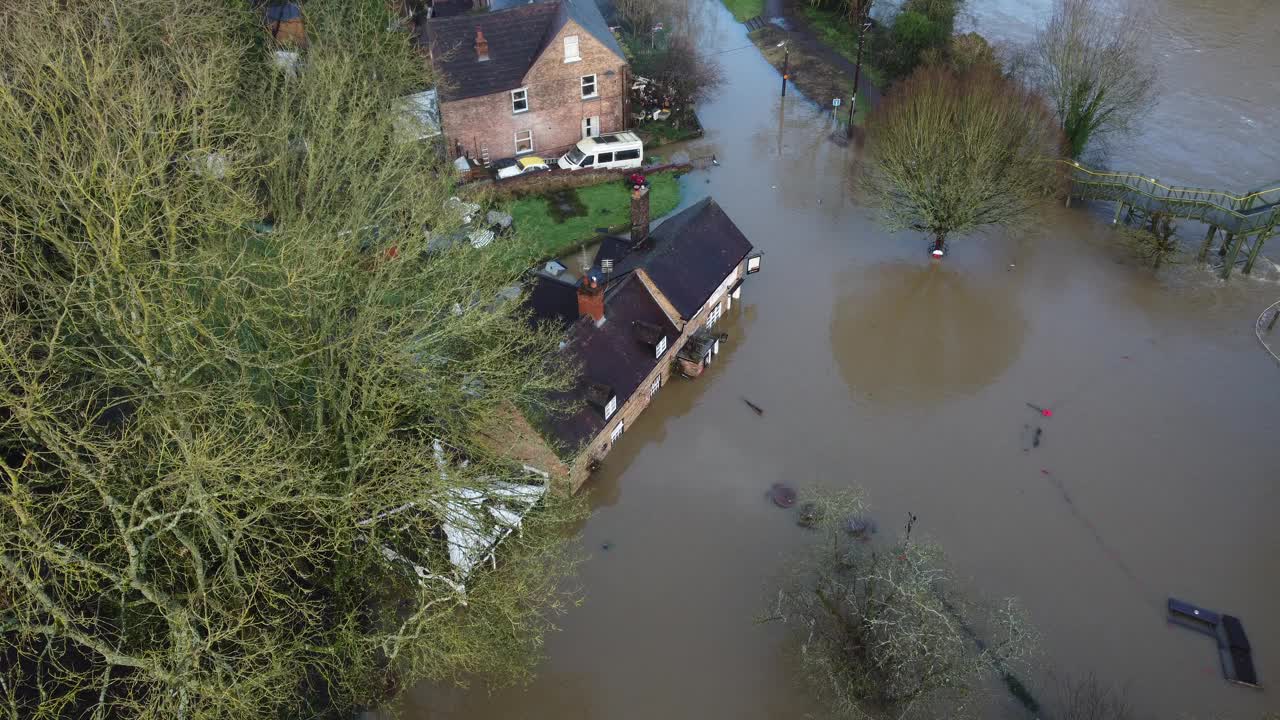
pixel 611 151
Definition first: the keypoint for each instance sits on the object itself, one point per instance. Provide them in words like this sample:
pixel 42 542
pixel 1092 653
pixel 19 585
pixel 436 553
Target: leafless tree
pixel 952 153
pixel 1091 61
pixel 212 433
pixel 1087 698
pixel 882 631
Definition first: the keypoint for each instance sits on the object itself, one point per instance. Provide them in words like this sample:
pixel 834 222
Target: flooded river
pixel 1158 474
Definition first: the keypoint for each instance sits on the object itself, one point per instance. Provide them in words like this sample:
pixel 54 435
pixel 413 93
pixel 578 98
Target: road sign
pixel 835 102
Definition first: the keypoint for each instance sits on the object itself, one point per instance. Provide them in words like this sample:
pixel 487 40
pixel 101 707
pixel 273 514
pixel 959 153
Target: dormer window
pixel 661 348
pixel 611 407
pixel 571 49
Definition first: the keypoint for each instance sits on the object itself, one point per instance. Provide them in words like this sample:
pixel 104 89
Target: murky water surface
pixel 1158 475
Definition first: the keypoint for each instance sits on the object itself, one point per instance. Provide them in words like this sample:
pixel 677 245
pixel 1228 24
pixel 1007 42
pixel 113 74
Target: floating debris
pixel 782 496
pixel 1046 412
pixel 759 410
pixel 809 515
pixel 860 526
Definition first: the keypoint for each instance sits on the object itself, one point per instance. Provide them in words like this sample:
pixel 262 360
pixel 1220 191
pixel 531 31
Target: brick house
pixel 630 330
pixel 530 79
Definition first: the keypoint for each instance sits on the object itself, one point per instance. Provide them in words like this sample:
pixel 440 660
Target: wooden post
pixel 1119 208
pixel 1208 242
pixel 1253 252
pixel 1229 264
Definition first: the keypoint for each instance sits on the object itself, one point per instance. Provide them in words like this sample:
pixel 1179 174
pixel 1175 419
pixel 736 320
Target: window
pixel 715 315
pixel 657 384
pixel 627 155
pixel 604 157
pixel 588 161
pixel 753 264
pixel 571 49
pixel 524 141
pixel 611 408
pixel 588 86
pixel 617 432
pixel 662 347
pixel 590 126
pixel 519 100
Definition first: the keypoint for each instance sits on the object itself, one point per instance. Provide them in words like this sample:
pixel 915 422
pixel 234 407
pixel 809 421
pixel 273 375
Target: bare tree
pixel 883 632
pixel 231 453
pixel 1087 698
pixel 1153 241
pixel 1091 62
pixel 953 153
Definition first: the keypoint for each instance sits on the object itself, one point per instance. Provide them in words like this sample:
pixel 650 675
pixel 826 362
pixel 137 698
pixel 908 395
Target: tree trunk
pixel 938 240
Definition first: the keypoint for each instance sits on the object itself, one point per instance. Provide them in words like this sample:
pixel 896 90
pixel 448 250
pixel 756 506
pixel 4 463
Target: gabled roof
pixel 552 299
pixel 687 256
pixel 618 355
pixel 516 37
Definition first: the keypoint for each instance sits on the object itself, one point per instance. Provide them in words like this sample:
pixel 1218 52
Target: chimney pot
pixel 639 215
pixel 482 46
pixel 591 299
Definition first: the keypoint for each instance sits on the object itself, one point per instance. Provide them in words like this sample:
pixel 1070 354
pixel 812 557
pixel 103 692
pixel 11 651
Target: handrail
pixel 1171 188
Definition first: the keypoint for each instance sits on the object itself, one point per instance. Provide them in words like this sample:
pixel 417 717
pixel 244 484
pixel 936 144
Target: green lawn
pixel 604 205
pixel 744 10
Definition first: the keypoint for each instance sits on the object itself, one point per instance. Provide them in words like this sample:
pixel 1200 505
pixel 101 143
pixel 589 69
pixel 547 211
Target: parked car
pixel 614 150
pixel 512 167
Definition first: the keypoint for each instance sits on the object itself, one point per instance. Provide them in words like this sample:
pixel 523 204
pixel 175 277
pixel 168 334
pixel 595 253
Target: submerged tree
pixel 240 386
pixel 883 632
pixel 1153 241
pixel 952 153
pixel 1090 61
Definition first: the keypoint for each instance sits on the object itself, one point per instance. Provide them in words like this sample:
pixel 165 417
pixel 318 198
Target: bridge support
pixel 1208 242
pixel 1119 209
pixel 1258 240
pixel 1226 243
pixel 1230 262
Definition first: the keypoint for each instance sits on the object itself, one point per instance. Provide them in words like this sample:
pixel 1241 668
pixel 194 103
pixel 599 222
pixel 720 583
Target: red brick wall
pixel 556 107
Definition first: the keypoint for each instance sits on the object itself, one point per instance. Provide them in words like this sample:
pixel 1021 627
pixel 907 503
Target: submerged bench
pixel 1227 630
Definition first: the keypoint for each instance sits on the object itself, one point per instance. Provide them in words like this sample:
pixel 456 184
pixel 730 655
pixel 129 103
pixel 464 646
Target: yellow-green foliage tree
pixel 949 153
pixel 230 361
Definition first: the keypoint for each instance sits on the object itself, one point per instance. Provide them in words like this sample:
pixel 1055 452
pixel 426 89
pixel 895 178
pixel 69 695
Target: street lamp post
pixel 857 72
pixel 786 63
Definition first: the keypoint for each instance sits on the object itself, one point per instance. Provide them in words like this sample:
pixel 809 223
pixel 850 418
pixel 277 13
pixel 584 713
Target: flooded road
pixel 1158 474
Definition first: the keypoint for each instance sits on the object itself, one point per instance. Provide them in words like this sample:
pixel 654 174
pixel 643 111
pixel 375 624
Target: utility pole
pixel 857 70
pixel 786 63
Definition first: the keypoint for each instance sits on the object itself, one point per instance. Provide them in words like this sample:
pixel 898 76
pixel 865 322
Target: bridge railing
pixel 1240 206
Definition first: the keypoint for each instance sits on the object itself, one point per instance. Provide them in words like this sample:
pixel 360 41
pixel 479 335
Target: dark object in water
pixel 606 545
pixel 860 525
pixel 1035 442
pixel 1046 412
pixel 782 496
pixel 1233 646
pixel 809 515
pixel 759 410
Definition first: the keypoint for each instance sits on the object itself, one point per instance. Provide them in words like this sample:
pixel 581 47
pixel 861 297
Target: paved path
pixel 803 35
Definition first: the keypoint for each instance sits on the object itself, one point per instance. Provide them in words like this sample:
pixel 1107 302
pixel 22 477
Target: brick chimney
pixel 591 298
pixel 639 214
pixel 482 46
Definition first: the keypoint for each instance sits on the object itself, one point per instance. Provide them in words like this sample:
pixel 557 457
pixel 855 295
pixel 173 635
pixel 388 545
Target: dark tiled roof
pixel 688 255
pixel 516 38
pixel 615 355
pixel 552 299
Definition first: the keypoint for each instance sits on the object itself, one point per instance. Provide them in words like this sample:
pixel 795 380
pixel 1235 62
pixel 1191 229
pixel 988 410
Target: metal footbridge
pixel 1254 214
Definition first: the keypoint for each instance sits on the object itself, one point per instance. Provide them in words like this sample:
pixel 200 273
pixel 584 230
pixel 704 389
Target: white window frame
pixel 524 98
pixel 655 386
pixel 661 348
pixel 530 139
pixel 753 264
pixel 611 407
pixel 595 87
pixel 714 316
pixel 590 126
pixel 616 433
pixel 571 52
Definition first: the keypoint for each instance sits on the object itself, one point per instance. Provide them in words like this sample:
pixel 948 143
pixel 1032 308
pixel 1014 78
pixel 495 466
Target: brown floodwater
pixel 1158 474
